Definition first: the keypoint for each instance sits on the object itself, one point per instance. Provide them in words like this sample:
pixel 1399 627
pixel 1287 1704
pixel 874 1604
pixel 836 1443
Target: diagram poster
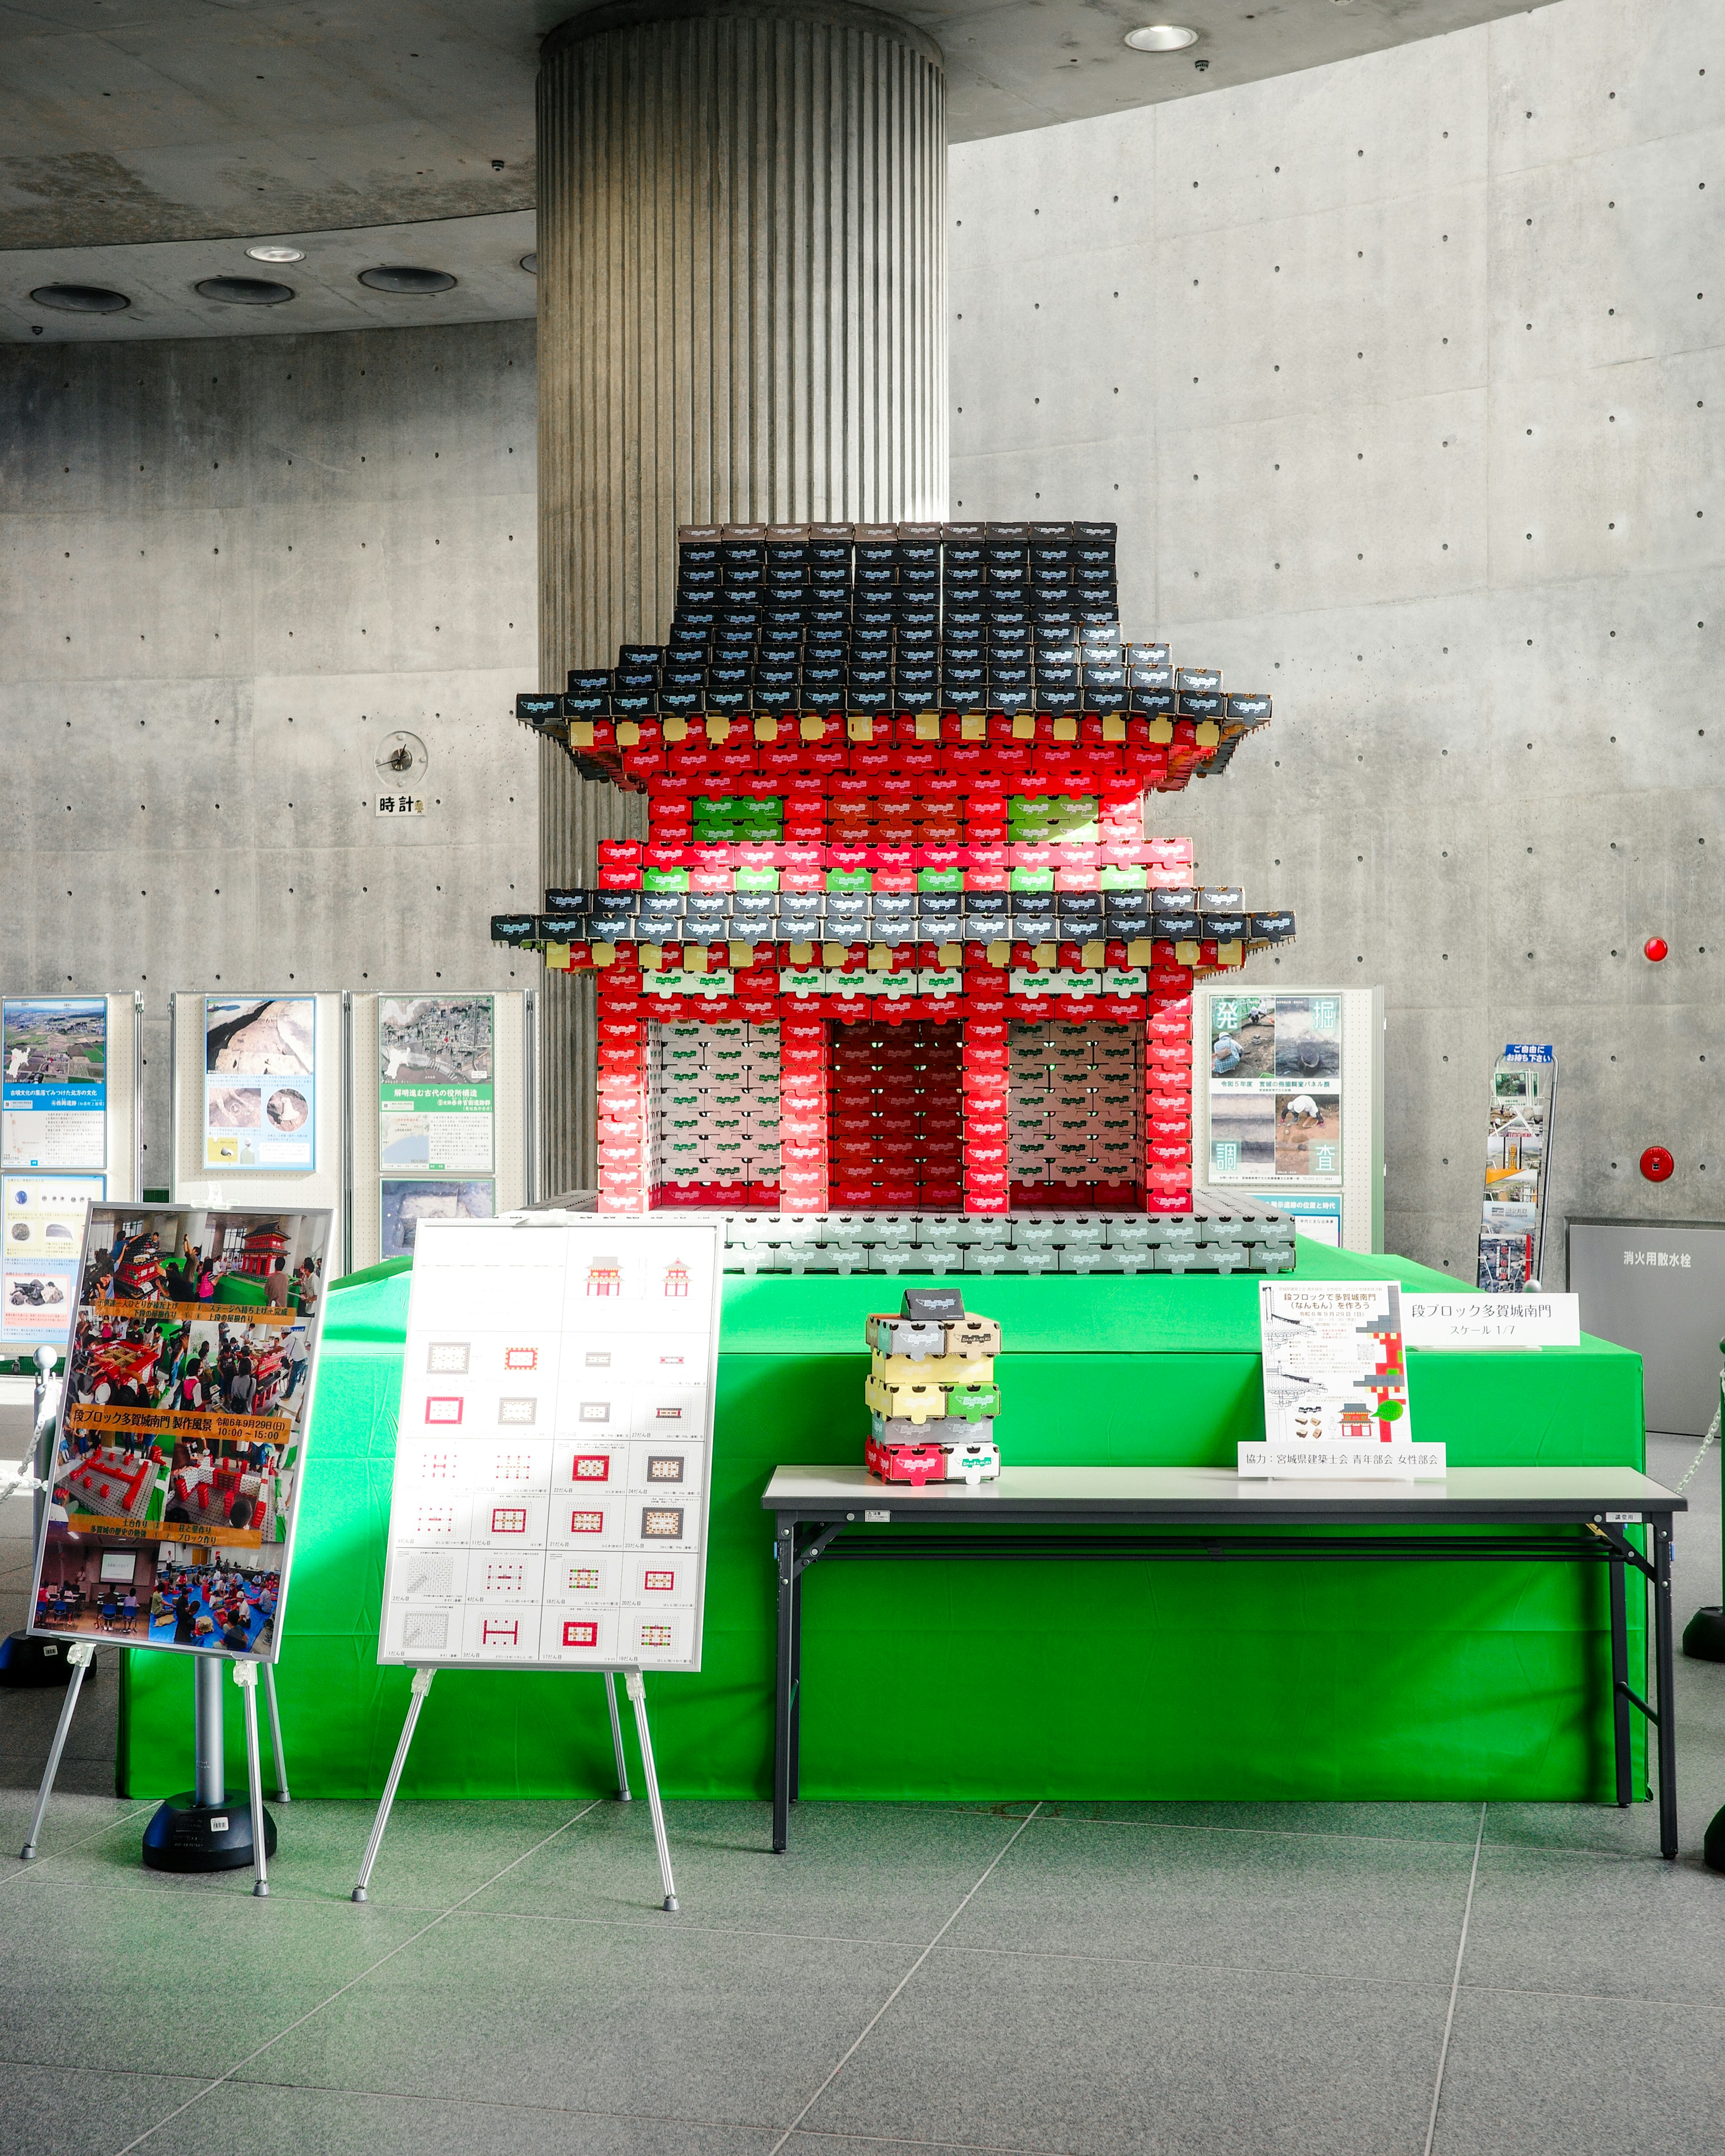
pixel 435 1103
pixel 181 1431
pixel 259 1086
pixel 1336 1384
pixel 53 1082
pixel 1276 1090
pixel 41 1240
pixel 551 1473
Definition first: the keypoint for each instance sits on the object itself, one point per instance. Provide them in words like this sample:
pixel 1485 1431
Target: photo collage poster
pixel 260 1084
pixel 1523 1085
pixel 1276 1090
pixel 175 1469
pixel 553 1462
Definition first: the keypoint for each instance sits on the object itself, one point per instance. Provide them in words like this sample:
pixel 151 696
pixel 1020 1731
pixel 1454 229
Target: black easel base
pixel 1704 1636
pixel 186 1836
pixel 29 1664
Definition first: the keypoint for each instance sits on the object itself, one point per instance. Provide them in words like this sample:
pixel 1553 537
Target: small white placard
pixel 1491 1320
pixel 1373 1461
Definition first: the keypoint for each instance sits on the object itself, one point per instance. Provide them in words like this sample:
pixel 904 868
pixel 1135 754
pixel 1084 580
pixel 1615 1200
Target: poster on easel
pixel 53 1092
pixel 1336 1386
pixel 553 1467
pixel 175 1478
pixel 1512 1210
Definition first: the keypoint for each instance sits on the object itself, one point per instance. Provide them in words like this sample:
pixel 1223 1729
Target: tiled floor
pixel 1150 1979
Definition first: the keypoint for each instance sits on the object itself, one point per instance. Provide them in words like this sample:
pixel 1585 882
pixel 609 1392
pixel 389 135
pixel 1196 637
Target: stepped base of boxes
pixel 930 1392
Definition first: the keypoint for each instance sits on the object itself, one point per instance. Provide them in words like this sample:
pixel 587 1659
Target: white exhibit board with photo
pixel 554 1456
pixel 439 1113
pixel 257 1102
pixel 1288 1097
pixel 71 1073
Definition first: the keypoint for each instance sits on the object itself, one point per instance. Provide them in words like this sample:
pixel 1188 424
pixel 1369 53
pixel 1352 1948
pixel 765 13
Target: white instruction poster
pixel 1336 1385
pixel 550 1503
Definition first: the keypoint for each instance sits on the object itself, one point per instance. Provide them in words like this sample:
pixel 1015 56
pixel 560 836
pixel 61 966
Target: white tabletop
pixel 1218 1492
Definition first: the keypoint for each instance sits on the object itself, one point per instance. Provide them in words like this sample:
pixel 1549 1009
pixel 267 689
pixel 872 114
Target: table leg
pixel 796 1735
pixel 1620 1680
pixel 784 1550
pixel 1667 1724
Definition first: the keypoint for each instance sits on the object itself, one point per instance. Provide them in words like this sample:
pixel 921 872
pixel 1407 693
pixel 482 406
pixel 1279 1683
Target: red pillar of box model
pixel 976 965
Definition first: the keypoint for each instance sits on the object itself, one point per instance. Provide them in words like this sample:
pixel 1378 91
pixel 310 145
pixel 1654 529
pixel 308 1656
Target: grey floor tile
pixel 875 1871
pixel 1101 2058
pixel 71 1822
pixel 1308 1903
pixel 663 2023
pixel 248 2115
pixel 1545 2076
pixel 1391 1822
pixel 1548 1922
pixel 79 2109
pixel 74 1960
pixel 28 1718
pixel 432 1855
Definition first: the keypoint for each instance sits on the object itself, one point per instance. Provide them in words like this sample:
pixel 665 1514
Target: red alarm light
pixel 1656 948
pixel 1657 1164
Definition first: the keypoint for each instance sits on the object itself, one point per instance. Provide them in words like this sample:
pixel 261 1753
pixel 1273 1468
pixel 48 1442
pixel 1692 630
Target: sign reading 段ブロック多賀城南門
pixel 53 1082
pixel 436 1084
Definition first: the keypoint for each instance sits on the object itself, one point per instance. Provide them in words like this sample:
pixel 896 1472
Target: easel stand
pixel 423 1680
pixel 198 1831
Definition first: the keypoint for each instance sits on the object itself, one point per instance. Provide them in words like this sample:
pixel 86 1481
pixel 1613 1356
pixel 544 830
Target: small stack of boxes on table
pixel 930 1392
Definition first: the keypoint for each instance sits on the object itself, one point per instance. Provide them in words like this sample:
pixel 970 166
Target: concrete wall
pixel 230 568
pixel 1404 379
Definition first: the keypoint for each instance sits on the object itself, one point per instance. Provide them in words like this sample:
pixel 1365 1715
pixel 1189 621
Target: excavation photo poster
pixel 550 1501
pixel 175 1470
pixel 1276 1090
pixel 53 1082
pixel 435 1099
pixel 260 1084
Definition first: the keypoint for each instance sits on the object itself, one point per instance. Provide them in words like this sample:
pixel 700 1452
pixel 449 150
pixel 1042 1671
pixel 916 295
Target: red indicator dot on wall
pixel 1656 948
pixel 1657 1165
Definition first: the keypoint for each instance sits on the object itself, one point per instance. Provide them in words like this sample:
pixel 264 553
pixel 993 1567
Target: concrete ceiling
pixel 144 122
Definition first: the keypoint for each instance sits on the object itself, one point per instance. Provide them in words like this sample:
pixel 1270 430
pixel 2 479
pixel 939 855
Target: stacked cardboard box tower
pixel 930 1392
pixel 895 780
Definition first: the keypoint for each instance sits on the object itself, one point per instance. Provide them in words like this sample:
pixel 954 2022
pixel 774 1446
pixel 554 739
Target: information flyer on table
pixel 436 1107
pixel 53 1082
pixel 261 1084
pixel 1336 1385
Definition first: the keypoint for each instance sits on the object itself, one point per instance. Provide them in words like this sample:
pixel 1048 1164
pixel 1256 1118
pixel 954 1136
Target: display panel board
pixel 553 1463
pixel 436 1107
pixel 42 1220
pixel 181 1431
pixel 1288 1101
pixel 53 1072
pixel 1336 1385
pixel 260 1084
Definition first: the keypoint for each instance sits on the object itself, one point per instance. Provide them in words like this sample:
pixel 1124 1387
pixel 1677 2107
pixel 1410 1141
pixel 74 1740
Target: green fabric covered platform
pixel 976 1679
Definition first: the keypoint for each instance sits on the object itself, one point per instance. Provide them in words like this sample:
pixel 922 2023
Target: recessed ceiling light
pixel 80 299
pixel 402 277
pixel 1161 38
pixel 245 291
pixel 276 254
pixel 530 263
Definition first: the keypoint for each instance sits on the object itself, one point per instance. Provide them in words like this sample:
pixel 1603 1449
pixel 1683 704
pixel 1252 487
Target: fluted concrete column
pixel 742 271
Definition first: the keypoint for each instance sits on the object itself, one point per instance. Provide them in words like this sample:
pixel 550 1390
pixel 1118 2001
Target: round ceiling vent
pixel 1161 38
pixel 80 299
pixel 245 291
pixel 404 277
